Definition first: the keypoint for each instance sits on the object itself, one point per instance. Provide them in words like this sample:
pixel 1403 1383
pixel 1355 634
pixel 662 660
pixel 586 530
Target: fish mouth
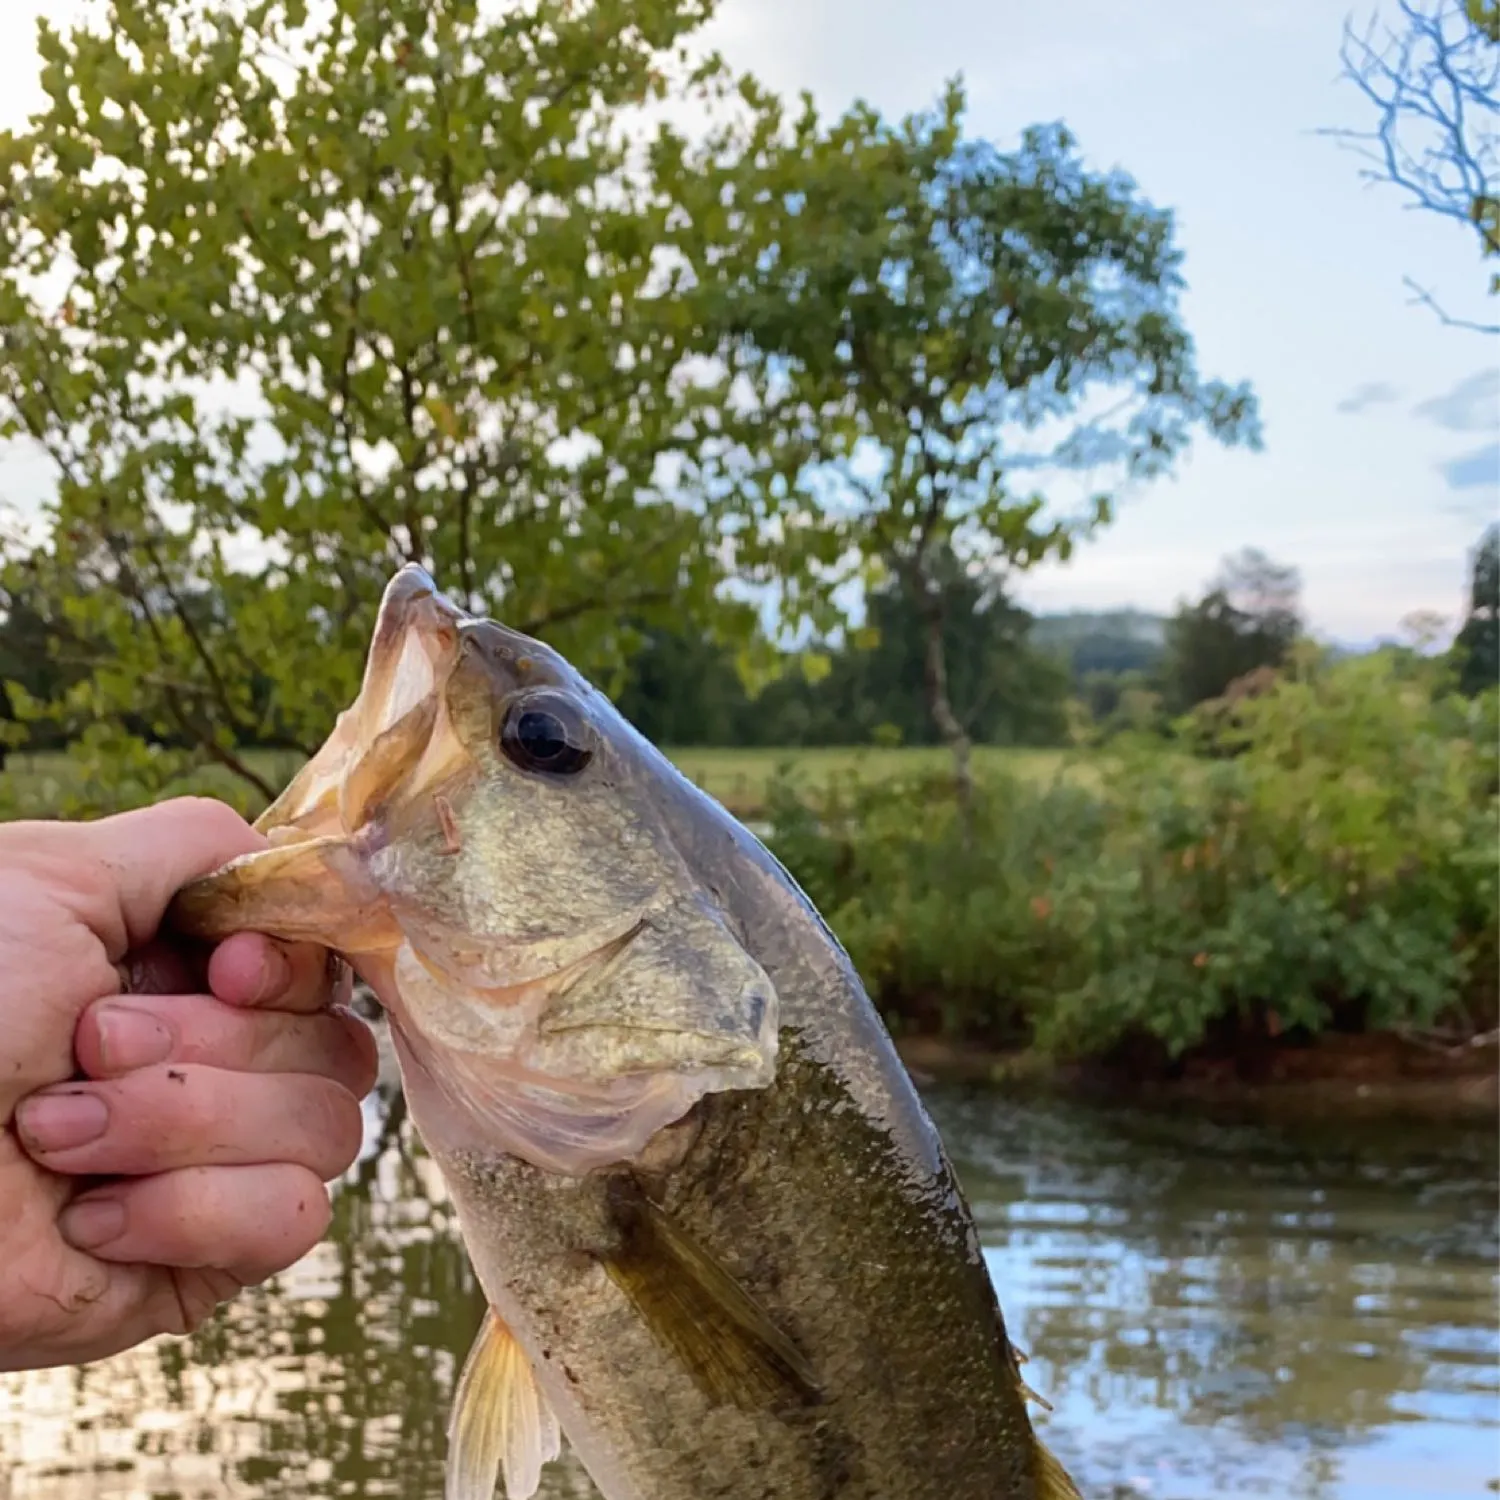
pixel 379 739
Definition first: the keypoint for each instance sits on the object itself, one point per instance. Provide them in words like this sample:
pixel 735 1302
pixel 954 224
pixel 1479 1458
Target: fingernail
pixel 275 975
pixel 59 1122
pixel 92 1222
pixel 131 1039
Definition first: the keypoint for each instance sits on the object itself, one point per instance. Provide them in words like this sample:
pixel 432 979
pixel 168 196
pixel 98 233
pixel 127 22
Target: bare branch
pixel 118 547
pixel 1421 297
pixel 1435 86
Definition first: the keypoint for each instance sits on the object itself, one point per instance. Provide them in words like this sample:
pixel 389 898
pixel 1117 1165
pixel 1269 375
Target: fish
pixel 722 1246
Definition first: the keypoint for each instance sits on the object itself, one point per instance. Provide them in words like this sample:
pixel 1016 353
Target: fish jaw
pixel 314 889
pixel 381 736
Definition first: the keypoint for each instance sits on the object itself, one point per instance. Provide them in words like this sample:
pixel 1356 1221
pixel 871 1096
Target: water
pixel 1215 1309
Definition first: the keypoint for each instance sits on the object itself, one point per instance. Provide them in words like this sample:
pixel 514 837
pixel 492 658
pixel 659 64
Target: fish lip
pixel 415 619
pixel 411 588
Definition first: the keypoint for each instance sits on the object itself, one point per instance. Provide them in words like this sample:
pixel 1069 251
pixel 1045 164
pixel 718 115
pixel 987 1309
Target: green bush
pixel 1331 857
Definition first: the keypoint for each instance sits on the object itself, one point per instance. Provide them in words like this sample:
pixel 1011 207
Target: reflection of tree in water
pixel 1298 1293
pixel 1303 1287
pixel 336 1379
pixel 378 1327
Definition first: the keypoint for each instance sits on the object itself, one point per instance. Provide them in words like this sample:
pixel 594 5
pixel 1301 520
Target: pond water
pixel 1214 1308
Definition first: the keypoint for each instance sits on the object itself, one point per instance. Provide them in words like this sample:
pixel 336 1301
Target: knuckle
pixel 196 1298
pixel 352 1047
pixel 268 1039
pixel 213 813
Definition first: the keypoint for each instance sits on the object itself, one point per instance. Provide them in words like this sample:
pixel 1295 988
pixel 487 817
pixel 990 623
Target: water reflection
pixel 1215 1309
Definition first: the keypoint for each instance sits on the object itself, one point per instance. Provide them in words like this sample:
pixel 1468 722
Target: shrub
pixel 1329 857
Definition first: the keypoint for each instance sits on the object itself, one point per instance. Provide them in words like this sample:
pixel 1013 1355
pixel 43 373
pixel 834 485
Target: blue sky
pixel 1382 457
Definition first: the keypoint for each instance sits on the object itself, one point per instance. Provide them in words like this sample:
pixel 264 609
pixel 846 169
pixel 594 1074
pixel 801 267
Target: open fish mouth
pixel 384 732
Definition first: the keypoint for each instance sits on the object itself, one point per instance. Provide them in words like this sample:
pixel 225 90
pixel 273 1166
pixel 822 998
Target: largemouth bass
pixel 721 1242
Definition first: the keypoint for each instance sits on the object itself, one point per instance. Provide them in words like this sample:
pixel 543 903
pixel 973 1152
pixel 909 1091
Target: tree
pixel 682 690
pixel 1249 618
pixel 290 303
pixel 1476 648
pixel 932 299
pixel 1434 80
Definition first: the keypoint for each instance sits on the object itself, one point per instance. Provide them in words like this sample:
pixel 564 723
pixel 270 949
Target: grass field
pixel 738 778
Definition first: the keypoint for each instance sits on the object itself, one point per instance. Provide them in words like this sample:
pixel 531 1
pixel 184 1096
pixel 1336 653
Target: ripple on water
pixel 1215 1309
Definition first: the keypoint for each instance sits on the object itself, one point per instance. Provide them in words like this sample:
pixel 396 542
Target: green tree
pixel 1476 649
pixel 1249 617
pixel 684 689
pixel 290 303
pixel 932 300
pixel 29 625
pixel 1433 78
pixel 681 689
pixel 1001 689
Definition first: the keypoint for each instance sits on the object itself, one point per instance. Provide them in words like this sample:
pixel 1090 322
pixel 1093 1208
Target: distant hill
pixel 1110 641
pixel 1062 631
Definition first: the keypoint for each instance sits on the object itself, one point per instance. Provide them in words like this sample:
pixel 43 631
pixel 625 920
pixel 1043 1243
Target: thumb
pixel 151 853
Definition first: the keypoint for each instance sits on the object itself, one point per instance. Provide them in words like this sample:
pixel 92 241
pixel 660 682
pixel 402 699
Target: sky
pixel 1382 426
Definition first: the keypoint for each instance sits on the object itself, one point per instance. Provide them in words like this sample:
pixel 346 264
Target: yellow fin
pixel 1052 1480
pixel 698 1311
pixel 501 1422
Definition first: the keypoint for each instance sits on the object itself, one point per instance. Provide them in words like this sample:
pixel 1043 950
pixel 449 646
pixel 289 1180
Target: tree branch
pixel 449 196
pixel 1421 297
pixel 1439 77
pixel 539 623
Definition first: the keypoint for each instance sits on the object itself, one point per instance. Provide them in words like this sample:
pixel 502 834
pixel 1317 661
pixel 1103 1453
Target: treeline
pixel 1315 855
pixel 1014 678
pixel 868 687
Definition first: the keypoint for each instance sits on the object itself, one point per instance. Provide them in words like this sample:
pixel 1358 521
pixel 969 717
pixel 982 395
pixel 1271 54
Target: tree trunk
pixel 935 681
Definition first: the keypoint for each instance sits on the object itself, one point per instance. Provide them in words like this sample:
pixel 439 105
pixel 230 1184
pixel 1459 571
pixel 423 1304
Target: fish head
pixel 483 836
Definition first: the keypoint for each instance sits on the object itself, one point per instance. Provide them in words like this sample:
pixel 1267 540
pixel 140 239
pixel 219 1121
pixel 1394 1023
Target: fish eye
pixel 546 733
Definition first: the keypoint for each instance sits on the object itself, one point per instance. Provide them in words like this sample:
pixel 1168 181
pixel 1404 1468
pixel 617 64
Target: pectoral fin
pixel 699 1312
pixel 501 1423
pixel 1052 1480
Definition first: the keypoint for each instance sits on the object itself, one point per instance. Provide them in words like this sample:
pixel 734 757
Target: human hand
pixel 214 1105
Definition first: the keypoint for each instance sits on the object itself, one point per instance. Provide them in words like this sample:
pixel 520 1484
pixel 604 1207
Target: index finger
pixel 142 858
pixel 250 969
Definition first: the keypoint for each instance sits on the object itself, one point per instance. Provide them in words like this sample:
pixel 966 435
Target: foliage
pixel 1434 80
pixel 1476 649
pixel 933 301
pixel 682 690
pixel 1340 868
pixel 1249 618
pixel 290 303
